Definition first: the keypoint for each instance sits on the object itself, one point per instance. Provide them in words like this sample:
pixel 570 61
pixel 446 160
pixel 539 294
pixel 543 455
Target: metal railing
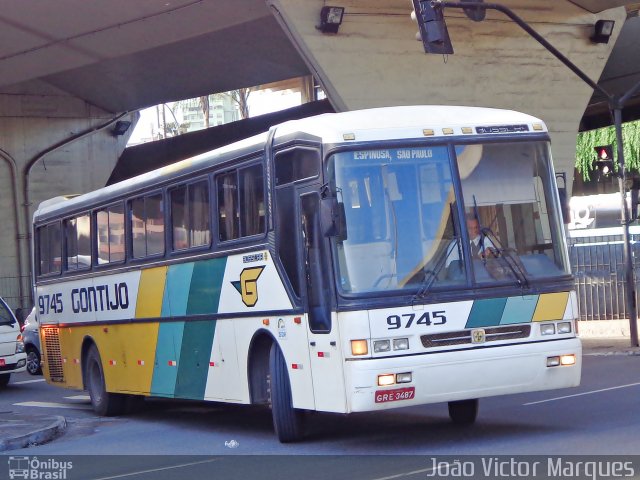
pixel 10 291
pixel 597 264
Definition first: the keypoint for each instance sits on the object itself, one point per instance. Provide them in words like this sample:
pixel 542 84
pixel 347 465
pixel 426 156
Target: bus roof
pixel 384 123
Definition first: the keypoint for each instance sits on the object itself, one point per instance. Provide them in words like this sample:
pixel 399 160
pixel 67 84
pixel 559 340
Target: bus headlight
pixel 359 347
pixel 403 377
pixel 386 379
pixel 547 329
pixel 380 346
pixel 564 327
pixel 401 344
pixel 567 360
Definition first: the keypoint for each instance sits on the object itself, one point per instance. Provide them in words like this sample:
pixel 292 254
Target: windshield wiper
pixel 509 258
pixel 432 275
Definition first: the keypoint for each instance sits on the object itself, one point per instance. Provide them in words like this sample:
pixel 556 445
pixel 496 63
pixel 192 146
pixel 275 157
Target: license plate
pixel 384 396
pixel 2 363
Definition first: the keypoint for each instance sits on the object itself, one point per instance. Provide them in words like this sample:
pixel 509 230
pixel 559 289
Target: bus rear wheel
pixel 463 412
pixel 287 421
pixel 104 403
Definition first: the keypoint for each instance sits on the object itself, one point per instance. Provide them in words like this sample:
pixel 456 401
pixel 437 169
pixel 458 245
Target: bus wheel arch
pixel 258 367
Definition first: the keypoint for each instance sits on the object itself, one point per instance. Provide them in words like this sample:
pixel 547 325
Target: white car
pixel 13 358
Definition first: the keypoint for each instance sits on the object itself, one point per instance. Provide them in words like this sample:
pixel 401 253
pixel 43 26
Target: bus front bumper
pixel 462 374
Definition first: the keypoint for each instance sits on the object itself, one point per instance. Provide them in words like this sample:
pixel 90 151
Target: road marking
pixel 584 393
pixel 53 405
pixel 85 398
pixel 28 381
pixel 141 472
pixel 408 474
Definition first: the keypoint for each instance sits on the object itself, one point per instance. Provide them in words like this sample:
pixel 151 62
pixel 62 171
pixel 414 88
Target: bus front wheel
pixel 104 403
pixel 4 379
pixel 287 421
pixel 463 412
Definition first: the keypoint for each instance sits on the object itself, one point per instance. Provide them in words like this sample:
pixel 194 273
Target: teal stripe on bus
pixel 486 312
pixel 519 309
pixel 206 284
pixel 176 292
pixel 197 343
pixel 168 350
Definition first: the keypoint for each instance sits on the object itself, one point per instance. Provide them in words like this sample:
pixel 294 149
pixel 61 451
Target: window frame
pixel 226 170
pixel 65 267
pixel 129 228
pixel 38 252
pixel 96 256
pixel 169 208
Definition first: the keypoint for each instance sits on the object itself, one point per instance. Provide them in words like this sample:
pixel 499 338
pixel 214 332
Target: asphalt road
pixel 601 417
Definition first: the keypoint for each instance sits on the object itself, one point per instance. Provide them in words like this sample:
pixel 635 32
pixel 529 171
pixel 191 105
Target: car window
pixel 6 317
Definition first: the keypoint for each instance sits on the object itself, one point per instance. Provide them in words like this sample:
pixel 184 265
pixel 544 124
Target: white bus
pixel 324 265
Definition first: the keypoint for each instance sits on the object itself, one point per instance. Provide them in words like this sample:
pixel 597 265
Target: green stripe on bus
pixel 176 293
pixel 197 343
pixel 486 312
pixel 206 283
pixel 519 309
pixel 168 349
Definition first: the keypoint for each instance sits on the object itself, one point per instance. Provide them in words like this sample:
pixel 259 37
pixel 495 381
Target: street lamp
pixel 616 104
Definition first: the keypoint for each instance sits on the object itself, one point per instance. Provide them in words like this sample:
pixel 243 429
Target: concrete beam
pixel 374 60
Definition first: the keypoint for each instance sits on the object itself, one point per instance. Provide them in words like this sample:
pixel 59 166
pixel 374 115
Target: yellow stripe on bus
pixel 551 306
pixel 150 292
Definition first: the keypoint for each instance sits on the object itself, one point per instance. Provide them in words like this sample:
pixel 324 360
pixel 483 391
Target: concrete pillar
pixel 374 60
pixel 50 144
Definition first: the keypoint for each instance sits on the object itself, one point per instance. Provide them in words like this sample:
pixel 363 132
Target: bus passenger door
pixel 324 341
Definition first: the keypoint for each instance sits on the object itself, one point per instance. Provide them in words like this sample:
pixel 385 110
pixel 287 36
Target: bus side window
pixel 241 203
pixel 77 236
pixel 147 225
pixel 49 248
pixel 110 234
pixel 296 164
pixel 190 216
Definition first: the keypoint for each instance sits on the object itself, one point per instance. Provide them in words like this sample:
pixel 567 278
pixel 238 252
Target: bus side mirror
pixel 564 205
pixel 564 200
pixel 332 218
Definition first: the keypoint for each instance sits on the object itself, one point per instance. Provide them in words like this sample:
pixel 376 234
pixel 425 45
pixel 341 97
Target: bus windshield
pixel 404 231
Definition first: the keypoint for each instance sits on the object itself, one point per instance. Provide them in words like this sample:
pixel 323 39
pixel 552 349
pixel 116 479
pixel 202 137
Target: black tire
pixel 463 412
pixel 4 380
pixel 287 421
pixel 34 367
pixel 104 403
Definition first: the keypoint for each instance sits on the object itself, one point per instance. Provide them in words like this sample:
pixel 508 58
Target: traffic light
pixel 433 30
pixel 604 162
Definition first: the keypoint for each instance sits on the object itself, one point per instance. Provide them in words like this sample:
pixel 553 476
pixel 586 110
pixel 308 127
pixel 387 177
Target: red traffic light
pixel 604 152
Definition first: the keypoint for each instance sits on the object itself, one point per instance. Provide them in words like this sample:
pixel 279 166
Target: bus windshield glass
pixel 402 222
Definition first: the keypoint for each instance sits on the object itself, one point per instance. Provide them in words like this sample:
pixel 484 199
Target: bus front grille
pixel 464 337
pixel 54 357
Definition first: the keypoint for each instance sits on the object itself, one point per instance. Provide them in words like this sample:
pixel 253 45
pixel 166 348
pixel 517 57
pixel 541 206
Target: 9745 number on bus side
pixel 405 320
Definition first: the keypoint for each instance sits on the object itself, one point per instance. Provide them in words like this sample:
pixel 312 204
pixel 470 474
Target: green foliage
pixel 587 141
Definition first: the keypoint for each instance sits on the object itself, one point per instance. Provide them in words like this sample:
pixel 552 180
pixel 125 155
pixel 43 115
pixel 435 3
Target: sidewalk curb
pixel 37 437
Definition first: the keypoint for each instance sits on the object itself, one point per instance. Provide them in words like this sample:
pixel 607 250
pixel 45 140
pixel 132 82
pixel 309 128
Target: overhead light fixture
pixel 602 31
pixel 120 128
pixel 330 19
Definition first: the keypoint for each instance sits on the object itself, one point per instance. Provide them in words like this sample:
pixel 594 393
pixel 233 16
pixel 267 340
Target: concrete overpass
pixel 70 69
